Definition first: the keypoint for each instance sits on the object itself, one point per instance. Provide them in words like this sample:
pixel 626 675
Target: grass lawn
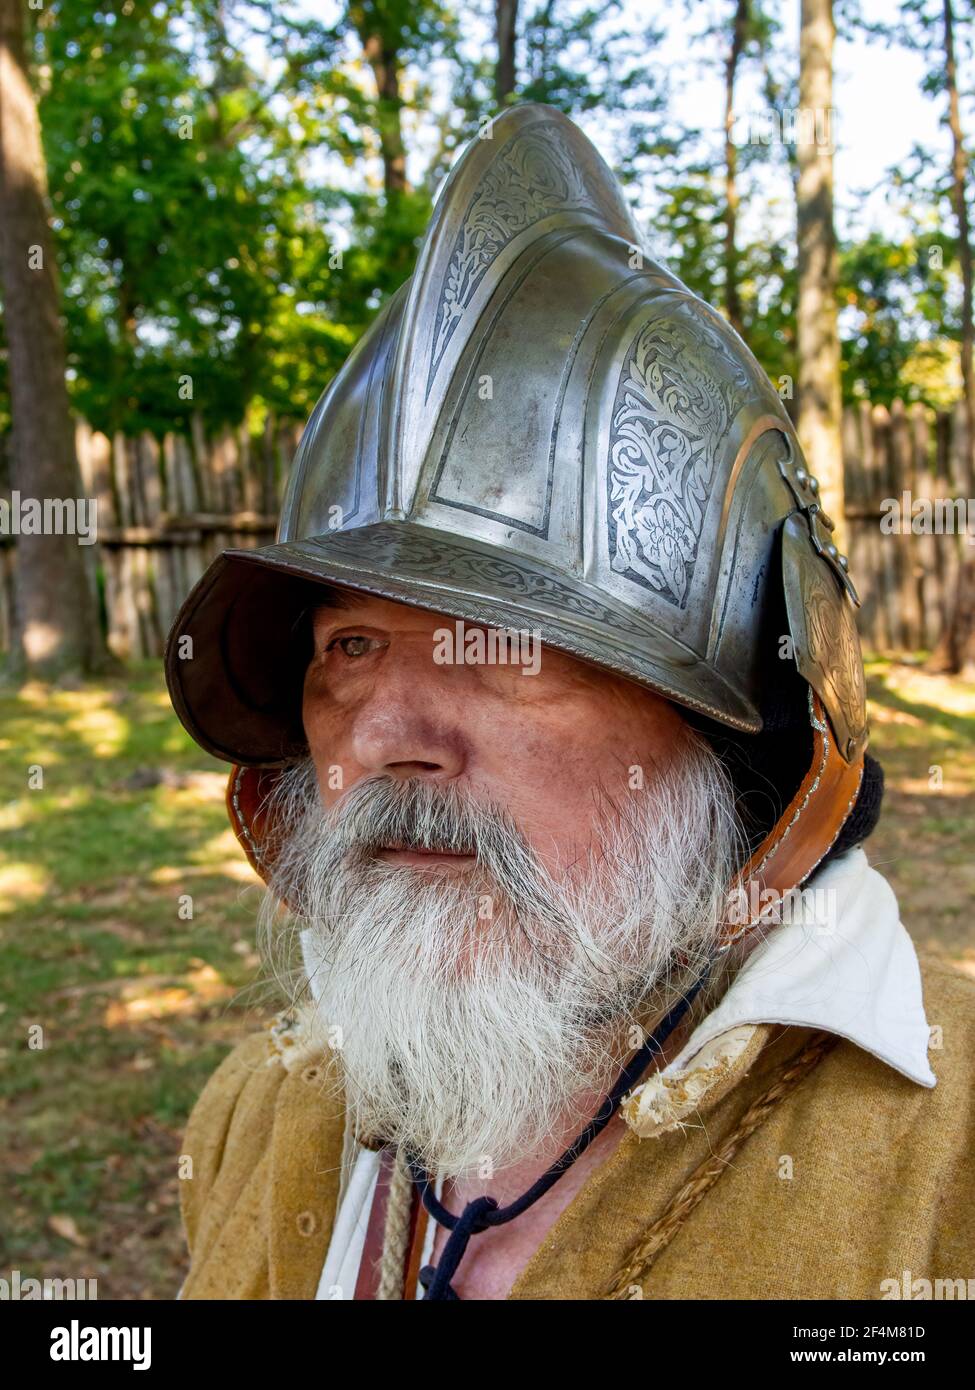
pixel 138 1002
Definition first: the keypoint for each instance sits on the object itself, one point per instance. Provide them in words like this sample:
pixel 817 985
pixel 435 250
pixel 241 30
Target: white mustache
pixel 417 814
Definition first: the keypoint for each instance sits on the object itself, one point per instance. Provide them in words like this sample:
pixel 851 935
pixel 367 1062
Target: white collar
pixel 855 974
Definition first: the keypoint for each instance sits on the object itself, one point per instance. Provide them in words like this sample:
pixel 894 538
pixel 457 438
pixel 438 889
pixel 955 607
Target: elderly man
pixel 548 722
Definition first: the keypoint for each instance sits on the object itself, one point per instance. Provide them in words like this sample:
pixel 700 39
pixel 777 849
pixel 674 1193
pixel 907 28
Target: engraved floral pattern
pixel 679 391
pixel 533 176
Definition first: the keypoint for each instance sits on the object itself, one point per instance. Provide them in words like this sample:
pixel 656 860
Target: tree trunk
pixel 56 629
pixel 955 651
pixel 382 56
pixel 819 343
pixel 732 302
pixel 506 23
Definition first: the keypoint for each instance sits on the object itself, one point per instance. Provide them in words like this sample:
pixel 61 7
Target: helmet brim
pixel 235 666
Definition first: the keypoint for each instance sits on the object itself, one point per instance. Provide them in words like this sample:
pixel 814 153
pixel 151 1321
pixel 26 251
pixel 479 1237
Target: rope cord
pixel 662 1232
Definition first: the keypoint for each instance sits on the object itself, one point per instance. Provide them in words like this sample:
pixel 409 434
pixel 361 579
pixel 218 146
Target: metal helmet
pixel 543 429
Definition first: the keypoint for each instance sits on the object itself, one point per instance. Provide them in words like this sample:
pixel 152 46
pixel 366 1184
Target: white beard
pixel 475 1010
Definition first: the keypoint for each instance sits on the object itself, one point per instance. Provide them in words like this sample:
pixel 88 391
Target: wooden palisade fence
pixel 166 509
pixel 906 579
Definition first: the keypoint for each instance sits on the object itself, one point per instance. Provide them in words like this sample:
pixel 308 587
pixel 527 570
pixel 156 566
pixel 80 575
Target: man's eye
pixel 355 646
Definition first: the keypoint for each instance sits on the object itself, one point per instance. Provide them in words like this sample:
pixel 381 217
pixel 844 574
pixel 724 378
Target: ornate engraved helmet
pixel 545 429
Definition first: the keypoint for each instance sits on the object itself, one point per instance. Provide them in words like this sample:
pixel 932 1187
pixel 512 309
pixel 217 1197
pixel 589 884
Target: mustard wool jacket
pixel 859 1182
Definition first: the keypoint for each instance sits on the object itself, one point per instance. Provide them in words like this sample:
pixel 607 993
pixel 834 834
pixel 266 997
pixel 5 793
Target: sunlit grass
pixel 112 821
pixel 923 732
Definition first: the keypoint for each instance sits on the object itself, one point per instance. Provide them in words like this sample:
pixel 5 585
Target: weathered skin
pixel 541 746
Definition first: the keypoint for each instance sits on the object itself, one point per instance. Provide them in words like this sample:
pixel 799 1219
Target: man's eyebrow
pixel 324 605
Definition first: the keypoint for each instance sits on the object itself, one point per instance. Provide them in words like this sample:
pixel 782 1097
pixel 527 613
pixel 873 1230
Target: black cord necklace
pixel 484 1212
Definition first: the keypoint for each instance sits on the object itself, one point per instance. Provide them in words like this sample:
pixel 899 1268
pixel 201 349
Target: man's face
pixel 549 747
pixel 495 874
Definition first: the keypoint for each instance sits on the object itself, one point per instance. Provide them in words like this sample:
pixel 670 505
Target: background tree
pixel 938 29
pixel 739 38
pixel 505 28
pixel 818 265
pixel 956 651
pixel 56 634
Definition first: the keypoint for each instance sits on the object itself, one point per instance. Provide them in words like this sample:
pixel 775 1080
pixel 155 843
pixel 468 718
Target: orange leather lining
pixel 247 791
pixel 803 834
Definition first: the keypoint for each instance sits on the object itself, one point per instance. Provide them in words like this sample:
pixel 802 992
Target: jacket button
pixel 307 1223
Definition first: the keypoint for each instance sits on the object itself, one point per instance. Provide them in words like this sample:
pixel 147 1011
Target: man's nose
pixel 406 728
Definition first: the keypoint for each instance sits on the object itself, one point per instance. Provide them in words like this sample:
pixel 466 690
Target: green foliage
pixel 895 298
pixel 166 228
pixel 196 237
pixel 907 333
pixel 225 215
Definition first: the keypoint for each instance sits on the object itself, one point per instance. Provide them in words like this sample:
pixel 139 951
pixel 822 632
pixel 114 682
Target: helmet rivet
pixel 813 485
pixel 832 552
pixel 844 562
pixel 802 477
